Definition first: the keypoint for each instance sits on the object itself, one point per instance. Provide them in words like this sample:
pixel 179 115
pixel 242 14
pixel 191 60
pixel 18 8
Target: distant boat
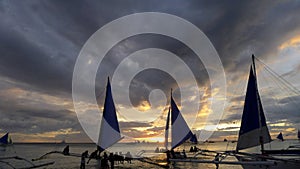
pixel 8 161
pixel 194 139
pixel 5 140
pixel 63 142
pixel 280 136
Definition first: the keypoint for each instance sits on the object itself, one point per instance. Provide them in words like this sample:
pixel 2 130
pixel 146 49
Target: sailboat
pixel 5 140
pixel 254 131
pixel 109 128
pixel 280 136
pixel 194 139
pixel 180 131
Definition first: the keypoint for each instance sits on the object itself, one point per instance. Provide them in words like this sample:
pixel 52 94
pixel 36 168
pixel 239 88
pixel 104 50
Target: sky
pixel 41 40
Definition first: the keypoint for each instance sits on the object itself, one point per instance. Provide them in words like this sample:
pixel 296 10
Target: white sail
pixel 180 130
pixel 109 131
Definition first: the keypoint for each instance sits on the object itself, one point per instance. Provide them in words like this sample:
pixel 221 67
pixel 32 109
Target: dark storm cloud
pixel 38 121
pixel 240 29
pixel 144 82
pixel 42 38
pixel 275 110
pixel 40 41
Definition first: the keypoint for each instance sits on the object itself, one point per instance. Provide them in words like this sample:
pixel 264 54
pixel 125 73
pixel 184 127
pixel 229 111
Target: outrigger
pixel 253 132
pixel 6 161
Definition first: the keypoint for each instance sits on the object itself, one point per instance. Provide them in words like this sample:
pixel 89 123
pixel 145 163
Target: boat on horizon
pixel 280 137
pixel 5 140
pixel 7 160
pixel 194 139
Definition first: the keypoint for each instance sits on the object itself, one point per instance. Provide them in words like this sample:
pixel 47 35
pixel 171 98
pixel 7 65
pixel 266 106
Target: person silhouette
pixel 104 161
pixel 191 149
pixel 93 155
pixel 66 150
pixel 111 160
pixel 83 156
pixel 217 159
pixel 128 157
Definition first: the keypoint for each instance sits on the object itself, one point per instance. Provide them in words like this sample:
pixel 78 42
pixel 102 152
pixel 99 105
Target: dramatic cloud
pixel 40 42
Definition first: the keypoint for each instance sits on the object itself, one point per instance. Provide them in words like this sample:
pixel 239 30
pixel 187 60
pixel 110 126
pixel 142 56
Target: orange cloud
pixel 293 42
pixel 144 106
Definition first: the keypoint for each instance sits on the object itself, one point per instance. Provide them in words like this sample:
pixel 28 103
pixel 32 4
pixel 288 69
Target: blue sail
pixel 180 130
pixel 4 139
pixel 253 130
pixel 194 139
pixel 280 136
pixel 109 130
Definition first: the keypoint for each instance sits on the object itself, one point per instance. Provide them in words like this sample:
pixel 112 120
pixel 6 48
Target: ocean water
pixel 32 151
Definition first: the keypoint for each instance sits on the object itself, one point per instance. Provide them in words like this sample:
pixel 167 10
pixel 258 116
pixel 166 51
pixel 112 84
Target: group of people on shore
pixel 177 155
pixel 105 160
pixel 194 149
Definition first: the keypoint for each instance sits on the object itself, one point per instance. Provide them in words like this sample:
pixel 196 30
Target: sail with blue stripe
pixel 4 139
pixel 180 130
pixel 280 136
pixel 253 130
pixel 109 130
pixel 194 139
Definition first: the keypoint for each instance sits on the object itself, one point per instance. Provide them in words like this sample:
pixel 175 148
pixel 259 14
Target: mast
pixel 167 130
pixel 261 138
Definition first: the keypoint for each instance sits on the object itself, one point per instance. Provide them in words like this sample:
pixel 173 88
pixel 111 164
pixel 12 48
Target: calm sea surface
pixel 31 151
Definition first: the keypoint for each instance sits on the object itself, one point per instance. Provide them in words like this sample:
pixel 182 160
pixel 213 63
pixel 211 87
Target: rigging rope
pixel 287 90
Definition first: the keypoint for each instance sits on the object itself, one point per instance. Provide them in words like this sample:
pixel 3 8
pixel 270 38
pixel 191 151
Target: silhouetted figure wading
pixel 66 150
